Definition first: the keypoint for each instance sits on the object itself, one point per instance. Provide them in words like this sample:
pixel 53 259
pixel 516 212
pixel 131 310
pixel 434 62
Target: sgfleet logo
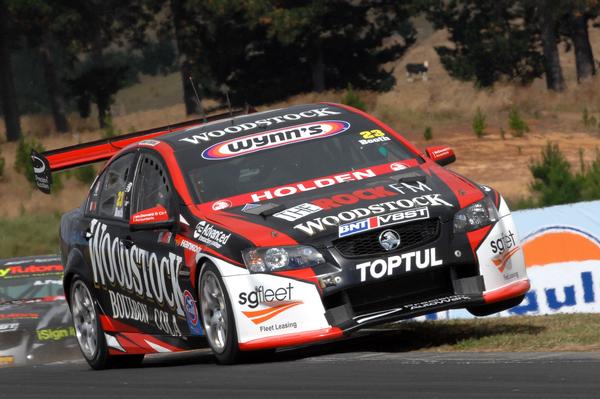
pixel 563 264
pixel 375 222
pixel 276 300
pixel 503 249
pixel 274 138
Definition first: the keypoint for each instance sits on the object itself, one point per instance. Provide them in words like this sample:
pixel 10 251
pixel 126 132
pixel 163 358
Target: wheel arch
pixel 75 265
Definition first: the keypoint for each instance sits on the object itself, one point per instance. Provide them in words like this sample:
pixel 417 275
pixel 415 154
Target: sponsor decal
pixel 357 196
pixel 321 224
pixel 220 205
pixel 312 185
pixel 280 326
pixel 6 360
pixel 417 260
pixel 9 327
pixel 298 212
pixel 166 322
pixel 276 300
pixel 191 313
pixel 274 138
pixel 47 282
pixel 150 143
pixel 398 166
pixel 390 219
pixel 203 137
pixel 55 334
pixel 124 307
pixel 187 244
pixel 152 215
pixel 135 269
pixel 372 136
pixel 19 316
pixel 504 248
pixel 31 270
pixel 209 235
pixel 437 302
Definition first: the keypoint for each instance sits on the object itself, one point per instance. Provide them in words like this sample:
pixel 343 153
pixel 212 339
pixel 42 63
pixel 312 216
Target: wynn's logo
pixel 274 138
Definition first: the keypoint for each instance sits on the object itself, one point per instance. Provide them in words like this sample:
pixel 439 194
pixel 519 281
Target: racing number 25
pixel 371 134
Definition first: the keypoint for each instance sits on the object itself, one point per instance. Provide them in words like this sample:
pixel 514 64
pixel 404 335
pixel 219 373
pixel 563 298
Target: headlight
pixel 475 216
pixel 274 259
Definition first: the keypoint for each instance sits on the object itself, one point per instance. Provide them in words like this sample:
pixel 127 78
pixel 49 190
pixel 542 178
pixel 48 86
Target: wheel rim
pixel 214 311
pixel 84 319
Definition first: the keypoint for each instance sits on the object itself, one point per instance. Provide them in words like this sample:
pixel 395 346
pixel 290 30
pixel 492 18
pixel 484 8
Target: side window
pixel 152 186
pixel 114 186
pixel 94 196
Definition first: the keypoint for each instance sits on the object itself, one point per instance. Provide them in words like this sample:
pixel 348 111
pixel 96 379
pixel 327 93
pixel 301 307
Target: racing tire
pixel 486 310
pixel 217 316
pixel 89 332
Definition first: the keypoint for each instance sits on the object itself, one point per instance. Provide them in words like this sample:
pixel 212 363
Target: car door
pixel 107 215
pixel 152 190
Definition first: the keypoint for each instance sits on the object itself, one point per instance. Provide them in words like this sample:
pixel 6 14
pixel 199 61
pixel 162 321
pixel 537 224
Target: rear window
pixel 278 157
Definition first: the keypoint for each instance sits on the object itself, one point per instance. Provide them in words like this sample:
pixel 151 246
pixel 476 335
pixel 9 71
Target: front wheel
pixel 89 331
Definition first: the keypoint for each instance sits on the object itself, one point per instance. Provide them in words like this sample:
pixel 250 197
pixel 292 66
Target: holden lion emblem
pixel 389 240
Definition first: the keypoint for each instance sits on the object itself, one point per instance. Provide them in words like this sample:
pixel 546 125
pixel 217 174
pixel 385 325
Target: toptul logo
pixel 199 138
pixel 275 138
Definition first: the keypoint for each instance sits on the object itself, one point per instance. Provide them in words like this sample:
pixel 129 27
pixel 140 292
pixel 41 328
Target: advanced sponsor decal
pixel 376 222
pixel 563 264
pixel 209 235
pixel 135 269
pixel 31 270
pixel 321 224
pixel 298 212
pixel 55 334
pixel 204 137
pixel 276 300
pixel 274 138
pixel 397 264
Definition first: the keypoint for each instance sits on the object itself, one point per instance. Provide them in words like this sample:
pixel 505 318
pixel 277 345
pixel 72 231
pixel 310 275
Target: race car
pixel 254 231
pixel 35 322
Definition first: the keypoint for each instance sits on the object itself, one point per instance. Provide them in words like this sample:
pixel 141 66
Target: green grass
pixel 565 332
pixel 33 234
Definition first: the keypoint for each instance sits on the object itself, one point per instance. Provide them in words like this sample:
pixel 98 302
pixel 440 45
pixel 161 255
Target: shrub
pixel 591 186
pixel 428 133
pixel 589 121
pixel 85 174
pixel 553 180
pixel 517 125
pixel 109 128
pixel 479 123
pixel 352 99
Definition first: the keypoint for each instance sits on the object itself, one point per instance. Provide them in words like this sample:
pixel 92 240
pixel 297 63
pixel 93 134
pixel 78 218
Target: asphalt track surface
pixel 363 368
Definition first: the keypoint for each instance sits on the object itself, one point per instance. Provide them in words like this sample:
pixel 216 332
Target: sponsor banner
pixel 561 249
pixel 30 270
pixel 274 138
pixel 55 334
pixel 251 199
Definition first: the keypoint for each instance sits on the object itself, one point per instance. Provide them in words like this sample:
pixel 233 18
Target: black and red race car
pixel 274 229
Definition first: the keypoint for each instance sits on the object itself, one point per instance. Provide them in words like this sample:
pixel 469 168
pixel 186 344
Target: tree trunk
pixel 318 69
pixel 554 76
pixel 8 94
pixel 57 101
pixel 584 58
pixel 189 98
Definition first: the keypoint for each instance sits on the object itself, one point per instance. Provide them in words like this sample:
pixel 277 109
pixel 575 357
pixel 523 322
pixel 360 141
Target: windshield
pixel 278 157
pixel 22 282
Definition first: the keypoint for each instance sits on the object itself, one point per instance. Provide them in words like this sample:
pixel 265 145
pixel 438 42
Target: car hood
pixel 344 209
pixel 33 315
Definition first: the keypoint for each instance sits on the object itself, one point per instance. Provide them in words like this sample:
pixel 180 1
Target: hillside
pixel 444 104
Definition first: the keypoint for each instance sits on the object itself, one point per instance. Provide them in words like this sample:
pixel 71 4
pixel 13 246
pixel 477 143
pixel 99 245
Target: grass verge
pixel 564 332
pixel 30 234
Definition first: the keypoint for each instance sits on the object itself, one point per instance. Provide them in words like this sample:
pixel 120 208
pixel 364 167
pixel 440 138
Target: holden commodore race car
pixel 274 229
pixel 35 322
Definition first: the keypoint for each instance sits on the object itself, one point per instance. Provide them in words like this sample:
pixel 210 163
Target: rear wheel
pixel 89 331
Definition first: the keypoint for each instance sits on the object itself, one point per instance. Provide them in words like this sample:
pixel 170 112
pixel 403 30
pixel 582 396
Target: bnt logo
pixel 375 222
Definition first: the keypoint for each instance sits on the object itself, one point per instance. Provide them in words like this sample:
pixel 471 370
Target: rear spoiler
pixel 48 162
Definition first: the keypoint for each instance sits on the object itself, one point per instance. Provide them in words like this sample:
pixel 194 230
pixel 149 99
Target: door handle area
pixel 126 242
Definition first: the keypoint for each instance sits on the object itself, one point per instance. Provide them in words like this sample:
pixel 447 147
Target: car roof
pixel 239 126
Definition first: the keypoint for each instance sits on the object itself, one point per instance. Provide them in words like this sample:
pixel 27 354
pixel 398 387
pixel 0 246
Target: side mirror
pixel 151 219
pixel 441 154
